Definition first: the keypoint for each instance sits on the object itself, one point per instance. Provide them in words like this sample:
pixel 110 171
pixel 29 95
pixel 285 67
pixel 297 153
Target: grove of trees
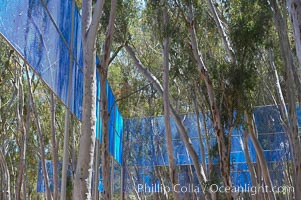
pixel 219 58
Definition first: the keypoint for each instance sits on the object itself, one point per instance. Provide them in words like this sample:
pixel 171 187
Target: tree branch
pixel 95 19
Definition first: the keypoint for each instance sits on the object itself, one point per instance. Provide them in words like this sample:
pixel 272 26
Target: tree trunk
pixel 291 117
pixel 294 9
pixel 283 110
pixel 200 136
pixel 82 184
pixel 133 185
pixel 90 25
pixel 41 137
pixel 6 177
pixel 67 120
pixel 222 32
pixel 96 168
pixel 208 143
pixel 185 137
pixel 251 168
pixel 54 150
pixel 260 156
pixel 172 165
pixel 103 72
pixel 210 168
pixel 22 129
pixel 204 74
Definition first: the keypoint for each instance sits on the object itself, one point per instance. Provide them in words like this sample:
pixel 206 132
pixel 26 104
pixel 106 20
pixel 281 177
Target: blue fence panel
pixel 41 33
pixel 41 184
pixel 268 123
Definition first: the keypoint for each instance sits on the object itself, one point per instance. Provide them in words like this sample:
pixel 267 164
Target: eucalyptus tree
pixel 103 71
pixel 91 21
pixel 90 24
pixel 199 170
pixel 225 42
pixel 6 103
pixel 292 83
pixel 294 9
pixel 229 74
pixel 172 166
pixel 249 35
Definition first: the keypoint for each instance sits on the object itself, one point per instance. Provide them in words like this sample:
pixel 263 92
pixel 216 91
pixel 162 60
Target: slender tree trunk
pixel 136 193
pixel 172 165
pixel 22 129
pixel 283 109
pixel 155 130
pixel 41 137
pixel 190 176
pixel 67 120
pixel 251 168
pixel 204 74
pixel 291 117
pixel 185 137
pixel 294 8
pixel 208 143
pixel 25 126
pixel 105 155
pixel 161 177
pixel 83 177
pixel 6 177
pixel 200 136
pixel 260 156
pixel 90 25
pixel 103 72
pixel 54 150
pixel 210 167
pixel 96 168
pixel 222 32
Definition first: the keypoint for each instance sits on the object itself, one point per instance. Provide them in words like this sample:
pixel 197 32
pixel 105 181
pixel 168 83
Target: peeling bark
pixel 90 25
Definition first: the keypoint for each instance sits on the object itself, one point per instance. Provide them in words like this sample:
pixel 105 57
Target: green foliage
pixel 249 26
pixel 125 13
pixel 249 23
